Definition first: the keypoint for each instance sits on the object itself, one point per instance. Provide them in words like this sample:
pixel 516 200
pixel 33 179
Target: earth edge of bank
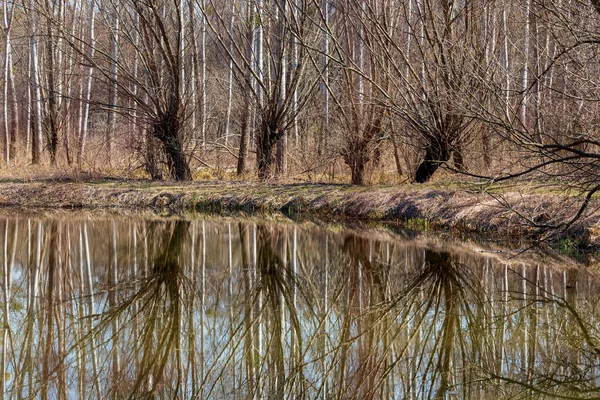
pixel 492 215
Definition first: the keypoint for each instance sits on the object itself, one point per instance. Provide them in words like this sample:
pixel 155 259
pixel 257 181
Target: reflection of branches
pixel 352 321
pixel 158 300
pixel 446 288
pixel 276 282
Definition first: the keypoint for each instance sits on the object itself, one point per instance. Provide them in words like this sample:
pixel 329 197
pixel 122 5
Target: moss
pixel 417 224
pixel 568 246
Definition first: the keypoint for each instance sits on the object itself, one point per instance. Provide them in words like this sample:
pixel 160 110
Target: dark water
pixel 131 308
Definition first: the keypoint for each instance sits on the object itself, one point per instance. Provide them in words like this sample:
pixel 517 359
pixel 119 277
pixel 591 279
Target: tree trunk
pixel 282 145
pixel 264 153
pixel 229 79
pixel 178 165
pixel 5 82
pixel 50 117
pixel 457 157
pixel 397 157
pixel 167 130
pixel 357 158
pixel 87 90
pixel 112 117
pixel 358 173
pixel 36 140
pixel 152 166
pixel 14 111
pixel 244 138
pixel 434 156
pixel 203 73
pixel 524 74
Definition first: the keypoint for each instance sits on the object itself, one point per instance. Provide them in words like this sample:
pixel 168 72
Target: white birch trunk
pixel 7 22
pixel 6 276
pixel 325 83
pixel 36 147
pixel 295 52
pixel 506 65
pixel 87 95
pixel 525 73
pixel 91 308
pixel 229 77
pixel 259 53
pixel 203 75
pixel 281 76
pixel 114 97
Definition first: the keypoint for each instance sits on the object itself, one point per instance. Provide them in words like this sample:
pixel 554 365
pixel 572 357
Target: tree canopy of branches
pixel 177 86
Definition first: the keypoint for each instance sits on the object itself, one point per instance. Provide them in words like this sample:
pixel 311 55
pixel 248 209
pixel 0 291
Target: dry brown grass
pixel 504 215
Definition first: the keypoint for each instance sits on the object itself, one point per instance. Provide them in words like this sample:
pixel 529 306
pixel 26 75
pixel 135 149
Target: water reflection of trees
pixel 177 309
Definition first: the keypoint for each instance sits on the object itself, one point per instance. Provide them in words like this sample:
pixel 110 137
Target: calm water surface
pixel 120 307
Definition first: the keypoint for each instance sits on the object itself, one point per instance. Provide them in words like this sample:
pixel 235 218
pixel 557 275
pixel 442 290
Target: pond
pixel 130 307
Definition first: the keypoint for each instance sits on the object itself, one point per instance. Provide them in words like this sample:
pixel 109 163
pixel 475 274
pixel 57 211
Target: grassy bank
pixel 505 214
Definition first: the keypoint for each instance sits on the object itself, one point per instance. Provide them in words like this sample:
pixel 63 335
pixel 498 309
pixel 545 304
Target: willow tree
pixel 148 33
pixel 562 145
pixel 359 114
pixel 262 46
pixel 433 54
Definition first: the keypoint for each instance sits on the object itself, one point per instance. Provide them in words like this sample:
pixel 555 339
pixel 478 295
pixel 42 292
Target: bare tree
pixel 10 109
pixel 88 46
pixel 37 141
pixel 152 32
pixel 359 113
pixel 266 70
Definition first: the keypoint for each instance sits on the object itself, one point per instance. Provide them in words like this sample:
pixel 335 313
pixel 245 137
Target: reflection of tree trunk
pixel 525 339
pixel 250 356
pixel 571 277
pixel 231 302
pixel 326 367
pixel 356 250
pixel 112 301
pixel 533 323
pixel 202 302
pixel 449 325
pixel 6 279
pixel 48 311
pixel 32 295
pixel 91 307
pixel 258 337
pixel 192 374
pixel 271 268
pixel 163 323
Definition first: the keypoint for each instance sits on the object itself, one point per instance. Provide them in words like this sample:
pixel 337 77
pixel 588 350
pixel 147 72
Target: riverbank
pixel 501 215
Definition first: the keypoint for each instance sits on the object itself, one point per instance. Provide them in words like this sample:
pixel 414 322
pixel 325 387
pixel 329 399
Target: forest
pixel 361 91
pixel 392 199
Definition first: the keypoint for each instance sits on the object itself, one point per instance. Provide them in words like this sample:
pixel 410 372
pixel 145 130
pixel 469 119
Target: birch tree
pixel 88 51
pixel 114 89
pixel 8 79
pixel 52 72
pixel 36 141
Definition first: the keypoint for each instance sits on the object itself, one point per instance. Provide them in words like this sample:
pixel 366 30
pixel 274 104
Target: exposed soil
pixel 501 216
